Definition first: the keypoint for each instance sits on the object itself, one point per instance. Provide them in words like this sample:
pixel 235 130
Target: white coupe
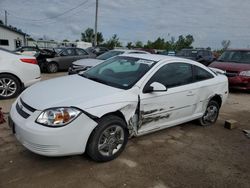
pixel 16 73
pixel 125 96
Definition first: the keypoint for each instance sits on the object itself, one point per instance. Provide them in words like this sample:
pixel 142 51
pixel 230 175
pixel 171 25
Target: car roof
pixel 152 57
pixel 128 50
pixel 157 58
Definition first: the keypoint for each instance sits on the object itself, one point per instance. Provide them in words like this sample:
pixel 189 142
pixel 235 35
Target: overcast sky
pixel 209 21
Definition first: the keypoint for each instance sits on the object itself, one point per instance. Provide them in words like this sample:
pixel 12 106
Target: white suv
pixel 16 72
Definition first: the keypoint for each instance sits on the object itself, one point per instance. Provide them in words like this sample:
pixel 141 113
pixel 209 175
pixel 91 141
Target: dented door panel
pixel 159 109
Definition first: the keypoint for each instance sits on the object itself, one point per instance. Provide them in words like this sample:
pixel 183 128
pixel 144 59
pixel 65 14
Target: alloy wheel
pixel 8 87
pixel 111 140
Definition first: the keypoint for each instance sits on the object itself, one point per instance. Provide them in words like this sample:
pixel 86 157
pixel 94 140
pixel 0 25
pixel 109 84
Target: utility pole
pixel 96 15
pixel 5 14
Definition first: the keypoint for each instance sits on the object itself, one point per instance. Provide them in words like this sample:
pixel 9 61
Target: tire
pixel 211 114
pixel 52 67
pixel 10 86
pixel 108 139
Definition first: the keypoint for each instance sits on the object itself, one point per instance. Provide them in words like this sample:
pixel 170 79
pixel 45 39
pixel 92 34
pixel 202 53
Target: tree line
pixel 159 43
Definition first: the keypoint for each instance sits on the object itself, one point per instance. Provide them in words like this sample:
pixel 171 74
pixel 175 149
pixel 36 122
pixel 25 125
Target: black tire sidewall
pixel 104 123
pixel 212 102
pixel 49 67
pixel 18 84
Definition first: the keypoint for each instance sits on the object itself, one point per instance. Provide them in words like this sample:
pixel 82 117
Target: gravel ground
pixel 183 156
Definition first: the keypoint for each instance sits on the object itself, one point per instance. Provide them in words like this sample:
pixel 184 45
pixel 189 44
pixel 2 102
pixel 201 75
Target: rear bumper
pixel 239 82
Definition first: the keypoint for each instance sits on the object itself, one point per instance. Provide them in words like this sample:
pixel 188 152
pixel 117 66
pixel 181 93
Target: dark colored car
pixel 64 58
pixel 98 50
pixel 201 55
pixel 236 64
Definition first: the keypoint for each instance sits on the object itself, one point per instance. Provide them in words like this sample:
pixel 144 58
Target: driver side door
pixel 161 109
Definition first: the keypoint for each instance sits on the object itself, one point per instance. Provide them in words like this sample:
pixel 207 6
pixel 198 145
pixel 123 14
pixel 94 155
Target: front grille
pixel 23 109
pixel 21 112
pixel 27 106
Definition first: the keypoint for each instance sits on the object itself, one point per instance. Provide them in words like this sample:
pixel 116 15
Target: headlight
pixel 57 117
pixel 245 73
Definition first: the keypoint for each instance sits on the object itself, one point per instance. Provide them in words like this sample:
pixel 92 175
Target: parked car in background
pixel 84 64
pixel 16 72
pixel 236 64
pixel 166 52
pixel 201 55
pixel 64 58
pixel 98 50
pixel 125 96
pixel 28 50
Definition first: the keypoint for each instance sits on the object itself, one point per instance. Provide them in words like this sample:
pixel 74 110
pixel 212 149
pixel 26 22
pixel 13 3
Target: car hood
pixel 72 90
pixel 88 62
pixel 229 66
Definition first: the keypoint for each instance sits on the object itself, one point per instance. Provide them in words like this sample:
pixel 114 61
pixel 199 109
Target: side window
pixel 201 74
pixel 173 74
pixel 81 52
pixel 68 52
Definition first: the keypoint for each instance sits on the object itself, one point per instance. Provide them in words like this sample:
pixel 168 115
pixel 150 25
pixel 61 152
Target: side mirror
pixel 155 87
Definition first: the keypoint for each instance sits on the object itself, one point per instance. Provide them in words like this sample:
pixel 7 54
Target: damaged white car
pixel 129 95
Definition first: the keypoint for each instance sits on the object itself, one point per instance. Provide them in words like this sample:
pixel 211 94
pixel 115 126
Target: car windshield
pixel 235 56
pixel 120 72
pixel 109 54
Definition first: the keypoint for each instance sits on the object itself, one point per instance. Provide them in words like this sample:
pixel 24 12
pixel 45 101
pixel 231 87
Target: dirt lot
pixel 183 156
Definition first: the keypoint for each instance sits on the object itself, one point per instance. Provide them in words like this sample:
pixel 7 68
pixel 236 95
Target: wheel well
pixel 117 113
pixel 54 63
pixel 217 98
pixel 22 85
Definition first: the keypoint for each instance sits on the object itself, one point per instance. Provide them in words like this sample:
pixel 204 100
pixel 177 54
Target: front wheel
pixel 211 114
pixel 52 67
pixel 108 139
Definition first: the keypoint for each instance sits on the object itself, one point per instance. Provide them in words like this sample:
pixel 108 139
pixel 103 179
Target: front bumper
pixel 68 140
pixel 239 82
pixel 74 69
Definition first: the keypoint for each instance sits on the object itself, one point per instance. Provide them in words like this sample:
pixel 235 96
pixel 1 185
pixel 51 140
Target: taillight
pixel 31 61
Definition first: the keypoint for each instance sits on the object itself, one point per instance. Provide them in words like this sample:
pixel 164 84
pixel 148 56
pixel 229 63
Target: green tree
pixel 138 44
pixel 183 42
pixel 113 42
pixel 159 43
pixel 129 45
pixel 88 36
pixel 1 22
pixel 65 40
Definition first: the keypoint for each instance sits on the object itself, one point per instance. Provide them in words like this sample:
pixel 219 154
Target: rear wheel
pixel 10 86
pixel 211 114
pixel 52 67
pixel 108 139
